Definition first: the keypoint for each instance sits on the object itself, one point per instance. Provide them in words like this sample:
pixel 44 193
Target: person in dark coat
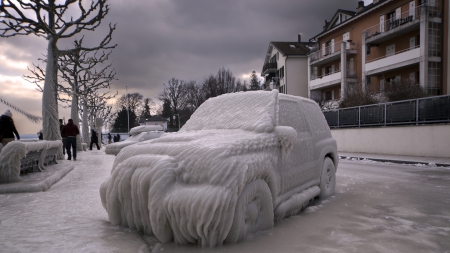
pixel 63 137
pixel 94 139
pixel 109 138
pixel 7 128
pixel 40 136
pixel 71 131
pixel 118 137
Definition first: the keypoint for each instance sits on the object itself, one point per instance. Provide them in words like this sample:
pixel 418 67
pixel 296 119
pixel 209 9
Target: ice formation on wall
pixel 214 181
pixel 12 153
pixel 10 161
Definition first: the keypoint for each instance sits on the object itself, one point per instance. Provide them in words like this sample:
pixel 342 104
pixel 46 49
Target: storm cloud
pixel 158 40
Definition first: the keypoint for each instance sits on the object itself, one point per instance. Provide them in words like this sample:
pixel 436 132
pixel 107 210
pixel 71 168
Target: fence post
pixel 359 116
pixel 338 118
pixel 417 112
pixel 385 113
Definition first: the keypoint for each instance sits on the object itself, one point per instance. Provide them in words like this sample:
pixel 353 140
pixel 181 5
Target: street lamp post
pixel 128 112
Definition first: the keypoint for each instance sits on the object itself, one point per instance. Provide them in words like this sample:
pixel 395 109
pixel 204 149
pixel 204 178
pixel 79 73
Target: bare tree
pixel 148 109
pixel 84 73
pixel 356 96
pixel 135 102
pixel 175 93
pixel 403 89
pixel 95 105
pixel 196 94
pixel 52 21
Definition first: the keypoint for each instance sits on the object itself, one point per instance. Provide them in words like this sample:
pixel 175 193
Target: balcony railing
pixel 390 24
pixel 269 67
pixel 330 50
pixel 315 76
pixel 395 53
pixel 407 112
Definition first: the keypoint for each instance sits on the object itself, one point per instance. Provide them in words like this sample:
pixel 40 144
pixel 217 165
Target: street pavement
pixel 377 207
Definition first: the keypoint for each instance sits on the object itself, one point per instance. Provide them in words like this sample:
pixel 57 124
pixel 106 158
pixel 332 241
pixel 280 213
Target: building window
pixel 329 95
pixel 434 78
pixel 368 82
pixel 434 39
pixel 328 47
pixel 281 72
pixel 273 59
pixel 391 20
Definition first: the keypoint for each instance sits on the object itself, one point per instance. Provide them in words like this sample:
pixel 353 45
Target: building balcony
pixel 395 61
pixel 325 81
pixel 269 68
pixel 407 22
pixel 330 53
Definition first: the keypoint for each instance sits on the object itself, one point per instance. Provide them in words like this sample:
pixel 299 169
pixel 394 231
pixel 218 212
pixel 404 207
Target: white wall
pixel 423 140
pixel 296 71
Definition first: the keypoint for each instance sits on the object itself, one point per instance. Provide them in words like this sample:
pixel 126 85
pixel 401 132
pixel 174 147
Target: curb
pixel 394 161
pixel 37 185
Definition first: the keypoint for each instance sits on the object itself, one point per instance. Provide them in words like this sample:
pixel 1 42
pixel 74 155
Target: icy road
pixel 377 207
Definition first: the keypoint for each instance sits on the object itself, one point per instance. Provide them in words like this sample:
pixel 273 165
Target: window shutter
pixel 412 9
pixel 332 46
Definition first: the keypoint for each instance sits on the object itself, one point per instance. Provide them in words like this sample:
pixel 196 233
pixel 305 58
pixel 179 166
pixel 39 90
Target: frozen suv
pixel 242 161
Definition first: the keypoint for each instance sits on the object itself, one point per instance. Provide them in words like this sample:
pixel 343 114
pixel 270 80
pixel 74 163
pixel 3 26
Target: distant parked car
pixel 138 134
pixel 242 161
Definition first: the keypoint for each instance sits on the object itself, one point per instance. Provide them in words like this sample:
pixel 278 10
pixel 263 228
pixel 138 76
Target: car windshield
pixel 251 111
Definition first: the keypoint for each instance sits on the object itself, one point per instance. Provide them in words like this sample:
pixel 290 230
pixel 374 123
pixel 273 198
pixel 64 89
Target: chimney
pixel 299 37
pixel 360 6
pixel 326 24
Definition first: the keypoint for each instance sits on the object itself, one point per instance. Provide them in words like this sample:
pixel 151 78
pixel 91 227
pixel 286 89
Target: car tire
pixel 253 213
pixel 327 178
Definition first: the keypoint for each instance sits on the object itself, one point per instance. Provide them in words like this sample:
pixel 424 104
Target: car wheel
pixel 254 211
pixel 327 179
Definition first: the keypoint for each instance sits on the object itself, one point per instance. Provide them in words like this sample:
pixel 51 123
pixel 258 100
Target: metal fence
pixel 407 112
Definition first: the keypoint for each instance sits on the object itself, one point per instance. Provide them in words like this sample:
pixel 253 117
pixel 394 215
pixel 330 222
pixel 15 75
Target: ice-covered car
pixel 242 161
pixel 138 134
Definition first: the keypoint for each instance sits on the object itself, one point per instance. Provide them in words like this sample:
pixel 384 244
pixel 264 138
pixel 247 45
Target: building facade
pixel 385 42
pixel 285 67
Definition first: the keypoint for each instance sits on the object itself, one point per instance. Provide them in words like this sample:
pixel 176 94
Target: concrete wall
pixel 296 75
pixel 423 140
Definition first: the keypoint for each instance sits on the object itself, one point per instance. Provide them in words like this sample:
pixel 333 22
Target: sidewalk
pixel 401 159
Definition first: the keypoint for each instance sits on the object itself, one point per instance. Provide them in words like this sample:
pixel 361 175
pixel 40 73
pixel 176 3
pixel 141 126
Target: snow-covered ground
pixel 377 207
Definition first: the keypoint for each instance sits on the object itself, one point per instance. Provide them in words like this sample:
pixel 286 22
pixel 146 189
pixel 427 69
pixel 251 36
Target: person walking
pixel 7 128
pixel 109 138
pixel 94 139
pixel 117 137
pixel 63 137
pixel 71 131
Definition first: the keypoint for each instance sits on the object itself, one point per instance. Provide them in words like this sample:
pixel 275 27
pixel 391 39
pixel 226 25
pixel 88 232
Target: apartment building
pixel 387 41
pixel 285 67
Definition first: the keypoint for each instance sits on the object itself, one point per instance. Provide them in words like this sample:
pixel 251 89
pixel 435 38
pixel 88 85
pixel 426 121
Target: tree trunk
pixel 75 117
pixel 50 97
pixel 85 125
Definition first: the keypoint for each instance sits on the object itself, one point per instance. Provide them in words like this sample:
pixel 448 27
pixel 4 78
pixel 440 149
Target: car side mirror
pixel 287 137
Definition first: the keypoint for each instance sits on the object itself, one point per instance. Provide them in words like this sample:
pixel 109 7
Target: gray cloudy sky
pixel 158 40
